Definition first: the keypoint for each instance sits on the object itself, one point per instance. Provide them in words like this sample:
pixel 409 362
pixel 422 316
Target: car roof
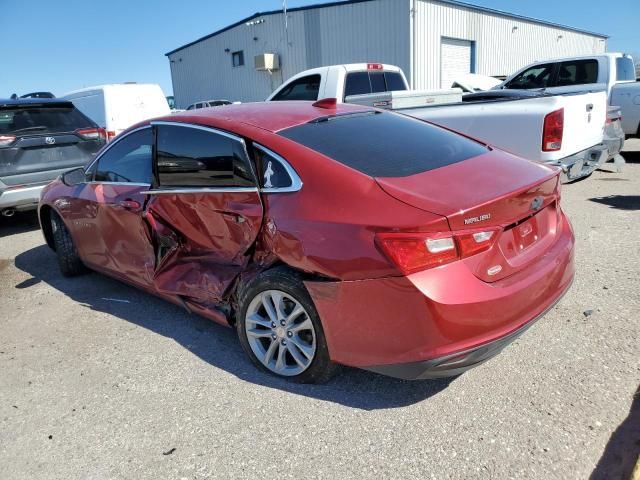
pixel 8 102
pixel 270 116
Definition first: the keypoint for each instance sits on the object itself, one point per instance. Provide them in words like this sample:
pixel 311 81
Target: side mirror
pixel 74 177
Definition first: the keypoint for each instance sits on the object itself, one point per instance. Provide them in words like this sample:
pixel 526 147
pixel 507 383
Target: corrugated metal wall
pixel 500 48
pixel 204 70
pixel 370 31
pixel 375 31
pixel 365 32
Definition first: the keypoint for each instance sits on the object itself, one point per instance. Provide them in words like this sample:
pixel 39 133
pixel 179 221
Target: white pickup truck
pixel 564 129
pixel 616 71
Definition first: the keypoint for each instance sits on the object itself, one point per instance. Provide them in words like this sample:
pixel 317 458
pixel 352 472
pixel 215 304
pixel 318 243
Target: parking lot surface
pixel 98 380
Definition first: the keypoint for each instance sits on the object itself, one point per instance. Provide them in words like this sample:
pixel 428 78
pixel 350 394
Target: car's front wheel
pixel 279 328
pixel 68 259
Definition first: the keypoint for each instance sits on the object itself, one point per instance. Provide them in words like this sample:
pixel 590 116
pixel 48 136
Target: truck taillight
pixel 552 131
pixel 412 252
pixel 92 133
pixel 110 135
pixel 374 66
pixel 6 140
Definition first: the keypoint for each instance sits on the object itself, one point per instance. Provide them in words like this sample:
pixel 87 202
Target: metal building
pixel 431 40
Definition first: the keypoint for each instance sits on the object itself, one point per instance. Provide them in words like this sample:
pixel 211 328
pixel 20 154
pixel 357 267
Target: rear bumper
pixel 441 321
pixel 457 363
pixel 21 198
pixel 582 164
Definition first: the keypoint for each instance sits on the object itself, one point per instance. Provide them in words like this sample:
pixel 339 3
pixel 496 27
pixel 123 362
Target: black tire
pixel 68 259
pixel 288 281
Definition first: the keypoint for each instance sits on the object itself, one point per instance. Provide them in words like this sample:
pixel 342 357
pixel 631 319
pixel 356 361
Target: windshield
pixel 39 119
pixel 384 144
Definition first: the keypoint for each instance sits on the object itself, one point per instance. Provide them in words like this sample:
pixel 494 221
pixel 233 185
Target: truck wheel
pixel 68 259
pixel 280 329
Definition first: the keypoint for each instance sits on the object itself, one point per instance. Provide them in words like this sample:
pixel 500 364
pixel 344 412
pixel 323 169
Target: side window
pixel 193 157
pixel 272 172
pixel 128 160
pixel 191 107
pixel 577 72
pixel 237 58
pixel 534 77
pixel 357 83
pixel 305 88
pixel 394 81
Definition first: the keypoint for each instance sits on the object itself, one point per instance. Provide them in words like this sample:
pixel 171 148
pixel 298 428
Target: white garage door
pixel 455 60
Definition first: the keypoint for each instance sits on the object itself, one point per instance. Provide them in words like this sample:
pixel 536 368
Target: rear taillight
pixel 412 252
pixel 110 135
pixel 552 131
pixel 6 140
pixel 92 133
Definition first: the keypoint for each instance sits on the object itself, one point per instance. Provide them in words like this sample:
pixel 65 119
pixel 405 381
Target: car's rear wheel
pixel 280 329
pixel 68 259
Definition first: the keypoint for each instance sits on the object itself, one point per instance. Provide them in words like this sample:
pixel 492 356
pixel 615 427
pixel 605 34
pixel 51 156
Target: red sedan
pixel 324 234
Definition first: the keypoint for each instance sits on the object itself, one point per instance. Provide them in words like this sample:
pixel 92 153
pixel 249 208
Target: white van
pixel 117 106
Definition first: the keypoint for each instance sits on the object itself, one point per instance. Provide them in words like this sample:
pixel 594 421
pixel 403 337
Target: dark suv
pixel 39 139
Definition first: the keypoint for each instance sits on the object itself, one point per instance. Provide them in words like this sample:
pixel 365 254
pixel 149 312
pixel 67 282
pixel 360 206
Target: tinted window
pixel 128 160
pixel 394 81
pixel 357 83
pixel 577 72
pixel 237 58
pixel 191 157
pixel 16 120
pixel 377 82
pixel 384 144
pixel 534 77
pixel 272 172
pixel 305 88
pixel 624 69
pixel 191 107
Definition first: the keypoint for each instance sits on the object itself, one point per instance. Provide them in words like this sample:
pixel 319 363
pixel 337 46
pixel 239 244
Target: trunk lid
pixel 495 191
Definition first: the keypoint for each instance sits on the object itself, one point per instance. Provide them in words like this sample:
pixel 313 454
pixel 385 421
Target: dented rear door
pixel 205 212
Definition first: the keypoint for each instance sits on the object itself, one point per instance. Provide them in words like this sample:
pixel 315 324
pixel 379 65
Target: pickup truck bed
pixel 513 120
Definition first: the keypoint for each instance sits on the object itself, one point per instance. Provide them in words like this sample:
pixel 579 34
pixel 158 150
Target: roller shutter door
pixel 455 60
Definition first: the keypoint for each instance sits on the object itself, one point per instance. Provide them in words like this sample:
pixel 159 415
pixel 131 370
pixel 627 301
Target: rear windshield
pixel 25 120
pixel 384 144
pixel 359 83
pixel 624 69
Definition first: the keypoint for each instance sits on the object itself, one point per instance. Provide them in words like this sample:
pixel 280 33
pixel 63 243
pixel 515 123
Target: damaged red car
pixel 326 235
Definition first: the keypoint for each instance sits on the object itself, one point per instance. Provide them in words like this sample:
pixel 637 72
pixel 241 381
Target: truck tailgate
pixel 516 124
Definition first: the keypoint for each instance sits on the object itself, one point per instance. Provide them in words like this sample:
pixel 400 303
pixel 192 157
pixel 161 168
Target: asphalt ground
pixel 98 380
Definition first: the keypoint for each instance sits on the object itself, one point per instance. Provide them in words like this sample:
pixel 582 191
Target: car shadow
pixel 623 449
pixel 21 222
pixel 213 343
pixel 620 202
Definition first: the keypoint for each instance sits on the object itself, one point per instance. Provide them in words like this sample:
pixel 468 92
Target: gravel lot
pixel 98 380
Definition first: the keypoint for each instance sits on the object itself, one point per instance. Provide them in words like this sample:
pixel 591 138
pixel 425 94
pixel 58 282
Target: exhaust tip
pixel 9 212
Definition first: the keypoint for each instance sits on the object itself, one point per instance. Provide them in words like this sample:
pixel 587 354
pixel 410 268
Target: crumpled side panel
pixel 213 233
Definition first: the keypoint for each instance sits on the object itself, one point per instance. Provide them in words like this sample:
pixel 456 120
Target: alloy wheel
pixel 280 333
